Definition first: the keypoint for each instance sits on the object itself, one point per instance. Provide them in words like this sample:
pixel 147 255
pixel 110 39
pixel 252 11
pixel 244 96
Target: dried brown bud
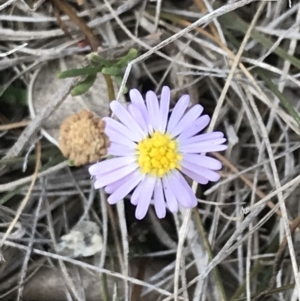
pixel 82 138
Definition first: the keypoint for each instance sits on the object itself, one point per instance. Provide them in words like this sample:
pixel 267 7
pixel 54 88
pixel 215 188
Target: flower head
pixel 152 151
pixel 82 138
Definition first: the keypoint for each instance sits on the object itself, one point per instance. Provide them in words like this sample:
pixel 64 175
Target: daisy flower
pixel 152 150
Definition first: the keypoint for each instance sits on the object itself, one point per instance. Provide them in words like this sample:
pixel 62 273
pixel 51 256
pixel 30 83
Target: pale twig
pixel 6 4
pixel 7 53
pixel 104 227
pixel 90 267
pixel 124 234
pixel 238 173
pixel 14 184
pixel 229 247
pixel 26 199
pixel 276 179
pixel 182 263
pixel 31 241
pixel 161 234
pixel 254 211
pixel 36 123
pixel 68 280
pixel 157 13
pixel 205 19
pixel 233 68
pixel 88 204
pixel 15 125
pixel 181 235
pixel 31 148
pixel 253 194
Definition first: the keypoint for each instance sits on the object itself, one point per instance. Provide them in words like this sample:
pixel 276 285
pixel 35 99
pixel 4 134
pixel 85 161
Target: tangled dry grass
pixel 240 60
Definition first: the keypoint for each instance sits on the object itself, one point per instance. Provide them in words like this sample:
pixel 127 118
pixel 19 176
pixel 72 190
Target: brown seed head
pixel 82 138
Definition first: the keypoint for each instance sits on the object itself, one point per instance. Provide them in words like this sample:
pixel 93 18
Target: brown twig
pixel 68 10
pixel 61 23
pixel 88 32
pixel 14 125
pixel 137 289
pixel 203 9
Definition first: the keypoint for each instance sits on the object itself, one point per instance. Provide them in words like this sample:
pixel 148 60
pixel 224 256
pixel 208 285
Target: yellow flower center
pixel 158 154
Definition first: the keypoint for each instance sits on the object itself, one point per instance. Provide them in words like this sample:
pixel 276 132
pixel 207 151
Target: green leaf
pixel 279 95
pixel 93 57
pixel 79 72
pixel 14 95
pixel 131 55
pixel 114 71
pixel 70 162
pixel 232 20
pixel 84 86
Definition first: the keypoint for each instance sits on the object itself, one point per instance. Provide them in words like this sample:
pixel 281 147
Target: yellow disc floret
pixel 158 154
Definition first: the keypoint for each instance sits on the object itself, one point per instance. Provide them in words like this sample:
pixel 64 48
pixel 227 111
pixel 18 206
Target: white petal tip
pixel 161 215
pixel 92 170
pixel 216 178
pixel 112 201
pixel 139 217
pixel 113 104
pixel 166 88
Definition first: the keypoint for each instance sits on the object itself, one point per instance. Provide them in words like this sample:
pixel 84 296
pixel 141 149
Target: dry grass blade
pixel 239 60
pixel 26 199
pixel 35 124
pixel 223 10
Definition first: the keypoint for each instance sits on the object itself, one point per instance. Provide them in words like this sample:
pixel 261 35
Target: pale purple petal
pixel 137 115
pixel 124 116
pixel 203 161
pixel 144 201
pixel 187 188
pixel 125 188
pixel 119 150
pixel 180 192
pixel 204 172
pixel 153 109
pixel 110 165
pixel 194 176
pixel 205 146
pixel 121 129
pixel 187 120
pixel 177 112
pixel 110 188
pixel 115 175
pixel 138 100
pixel 135 197
pixel 170 198
pixel 164 107
pixel 196 127
pixel 117 137
pixel 202 137
pixel 159 200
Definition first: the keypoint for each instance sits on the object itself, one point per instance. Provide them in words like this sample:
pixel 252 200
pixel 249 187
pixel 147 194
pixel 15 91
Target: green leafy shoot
pixel 90 70
pixel 114 71
pixel 84 86
pixel 97 59
pixel 97 65
pixel 131 55
pixel 14 96
pixel 70 162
